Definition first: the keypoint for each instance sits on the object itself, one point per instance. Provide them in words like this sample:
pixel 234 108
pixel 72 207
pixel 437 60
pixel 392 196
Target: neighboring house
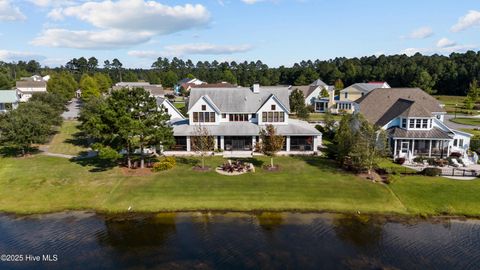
pixel 353 92
pixel 169 108
pixel 312 94
pixel 235 116
pixel 155 90
pixel 9 100
pixel 214 85
pixel 414 124
pixel 187 84
pixel 27 88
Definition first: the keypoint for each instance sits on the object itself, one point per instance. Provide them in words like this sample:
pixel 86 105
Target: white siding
pixel 197 107
pixel 267 107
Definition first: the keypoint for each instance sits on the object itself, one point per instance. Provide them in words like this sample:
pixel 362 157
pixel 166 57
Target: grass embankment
pixel 47 184
pixel 467 121
pixel 318 117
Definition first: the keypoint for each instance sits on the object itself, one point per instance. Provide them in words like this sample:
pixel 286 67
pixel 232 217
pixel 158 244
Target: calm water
pixel 238 241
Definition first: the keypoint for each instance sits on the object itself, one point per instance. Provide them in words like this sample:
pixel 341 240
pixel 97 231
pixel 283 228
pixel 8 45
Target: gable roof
pixel 364 87
pixel 305 89
pixel 239 99
pixel 8 96
pixel 31 84
pixel 382 105
pixel 318 82
pixel 161 100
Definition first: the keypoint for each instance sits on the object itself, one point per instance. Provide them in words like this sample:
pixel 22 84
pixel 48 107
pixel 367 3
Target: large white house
pixel 414 123
pixel 30 85
pixel 9 100
pixel 313 95
pixel 235 116
pixel 348 96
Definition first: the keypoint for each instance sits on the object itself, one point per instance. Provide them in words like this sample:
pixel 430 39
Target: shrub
pixel 165 163
pixel 431 172
pixel 400 161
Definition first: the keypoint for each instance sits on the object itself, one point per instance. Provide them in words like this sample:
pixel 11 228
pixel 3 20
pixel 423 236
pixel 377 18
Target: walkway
pixel 456 126
pixel 73 109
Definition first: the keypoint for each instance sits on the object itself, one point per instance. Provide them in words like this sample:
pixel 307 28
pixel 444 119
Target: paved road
pixel 73 109
pixel 453 125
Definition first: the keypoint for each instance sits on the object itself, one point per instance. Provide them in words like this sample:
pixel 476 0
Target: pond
pixel 80 240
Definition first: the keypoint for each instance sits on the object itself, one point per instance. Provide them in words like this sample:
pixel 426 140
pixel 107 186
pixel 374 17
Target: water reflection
pixel 240 241
pixel 359 230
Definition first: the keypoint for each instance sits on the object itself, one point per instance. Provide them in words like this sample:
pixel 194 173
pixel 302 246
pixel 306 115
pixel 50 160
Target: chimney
pixel 256 88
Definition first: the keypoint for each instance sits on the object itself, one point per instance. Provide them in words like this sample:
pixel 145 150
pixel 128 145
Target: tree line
pixel 446 75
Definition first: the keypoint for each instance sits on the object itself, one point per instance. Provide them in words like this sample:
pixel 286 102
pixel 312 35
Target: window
pixel 274 107
pixel 204 117
pixel 275 116
pixel 166 110
pixel 404 123
pixel 425 123
pixel 270 116
pixel 411 123
pixel 254 115
pixel 238 117
pixel 204 107
pixel 264 116
pixel 224 115
pixel 460 143
pixel 346 95
pixel 418 123
pixel 455 142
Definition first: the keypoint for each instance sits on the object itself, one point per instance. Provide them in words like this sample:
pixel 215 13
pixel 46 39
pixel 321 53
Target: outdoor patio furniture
pixel 455 163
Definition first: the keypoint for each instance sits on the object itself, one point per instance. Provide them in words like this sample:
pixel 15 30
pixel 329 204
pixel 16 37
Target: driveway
pixel 73 109
pixel 453 125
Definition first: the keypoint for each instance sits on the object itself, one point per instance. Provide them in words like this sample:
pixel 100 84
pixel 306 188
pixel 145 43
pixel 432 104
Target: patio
pixel 469 172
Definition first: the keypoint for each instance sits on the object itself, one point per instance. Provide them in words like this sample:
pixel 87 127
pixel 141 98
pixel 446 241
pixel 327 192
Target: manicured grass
pixel 467 121
pixel 44 184
pixel 437 195
pixel 179 105
pixel 451 101
pixel 65 142
pixel 319 117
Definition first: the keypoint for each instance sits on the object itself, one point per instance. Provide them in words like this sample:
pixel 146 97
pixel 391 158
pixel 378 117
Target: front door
pixel 405 147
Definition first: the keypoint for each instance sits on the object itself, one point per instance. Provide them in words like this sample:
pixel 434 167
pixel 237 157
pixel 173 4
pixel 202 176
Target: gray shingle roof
pixel 434 133
pixel 318 83
pixel 306 89
pixel 384 104
pixel 31 84
pixel 294 127
pixel 239 99
pixel 364 87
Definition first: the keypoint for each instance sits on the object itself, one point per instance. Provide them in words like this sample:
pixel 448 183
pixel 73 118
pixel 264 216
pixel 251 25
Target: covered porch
pixel 410 148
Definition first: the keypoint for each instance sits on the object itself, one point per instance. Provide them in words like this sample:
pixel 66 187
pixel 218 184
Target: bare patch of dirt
pixel 373 176
pixel 269 168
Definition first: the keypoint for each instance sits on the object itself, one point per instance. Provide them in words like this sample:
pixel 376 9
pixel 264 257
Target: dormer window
pixel 404 123
pixel 411 123
pixel 204 107
pixel 274 107
pixel 418 123
pixel 346 95
pixel 425 123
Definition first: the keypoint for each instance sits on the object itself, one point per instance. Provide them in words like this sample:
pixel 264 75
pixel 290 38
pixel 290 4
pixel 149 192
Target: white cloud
pixel 104 39
pixel 437 50
pixel 11 56
pixel 250 2
pixel 9 12
pixel 192 49
pixel 205 48
pixel 138 15
pixel 52 3
pixel 121 23
pixel 445 43
pixel 471 19
pixel 420 33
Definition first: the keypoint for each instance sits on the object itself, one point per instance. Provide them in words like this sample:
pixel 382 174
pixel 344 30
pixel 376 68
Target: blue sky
pixel 278 32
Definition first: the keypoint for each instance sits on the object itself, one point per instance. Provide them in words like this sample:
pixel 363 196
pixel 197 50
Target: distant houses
pixel 187 84
pixel 9 100
pixel 27 86
pixel 155 90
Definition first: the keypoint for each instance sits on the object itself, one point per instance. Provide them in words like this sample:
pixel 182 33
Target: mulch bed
pixel 200 169
pixel 136 172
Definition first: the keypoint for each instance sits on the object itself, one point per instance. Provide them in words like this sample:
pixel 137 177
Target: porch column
pixel 395 148
pixel 448 148
pixel 189 147
pixel 413 148
pixel 222 142
pixel 288 144
pixel 430 149
pixel 316 140
pixel 253 142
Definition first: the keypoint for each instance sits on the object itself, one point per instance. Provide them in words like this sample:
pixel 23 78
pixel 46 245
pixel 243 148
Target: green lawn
pixel 467 121
pixel 45 184
pixel 452 101
pixel 319 117
pixel 472 131
pixel 65 142
pixel 179 105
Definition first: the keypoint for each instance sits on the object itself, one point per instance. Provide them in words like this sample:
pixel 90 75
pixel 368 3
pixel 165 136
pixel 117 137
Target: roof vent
pixel 256 88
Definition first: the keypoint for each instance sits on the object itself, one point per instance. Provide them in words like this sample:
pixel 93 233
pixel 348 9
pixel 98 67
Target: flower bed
pixel 235 168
